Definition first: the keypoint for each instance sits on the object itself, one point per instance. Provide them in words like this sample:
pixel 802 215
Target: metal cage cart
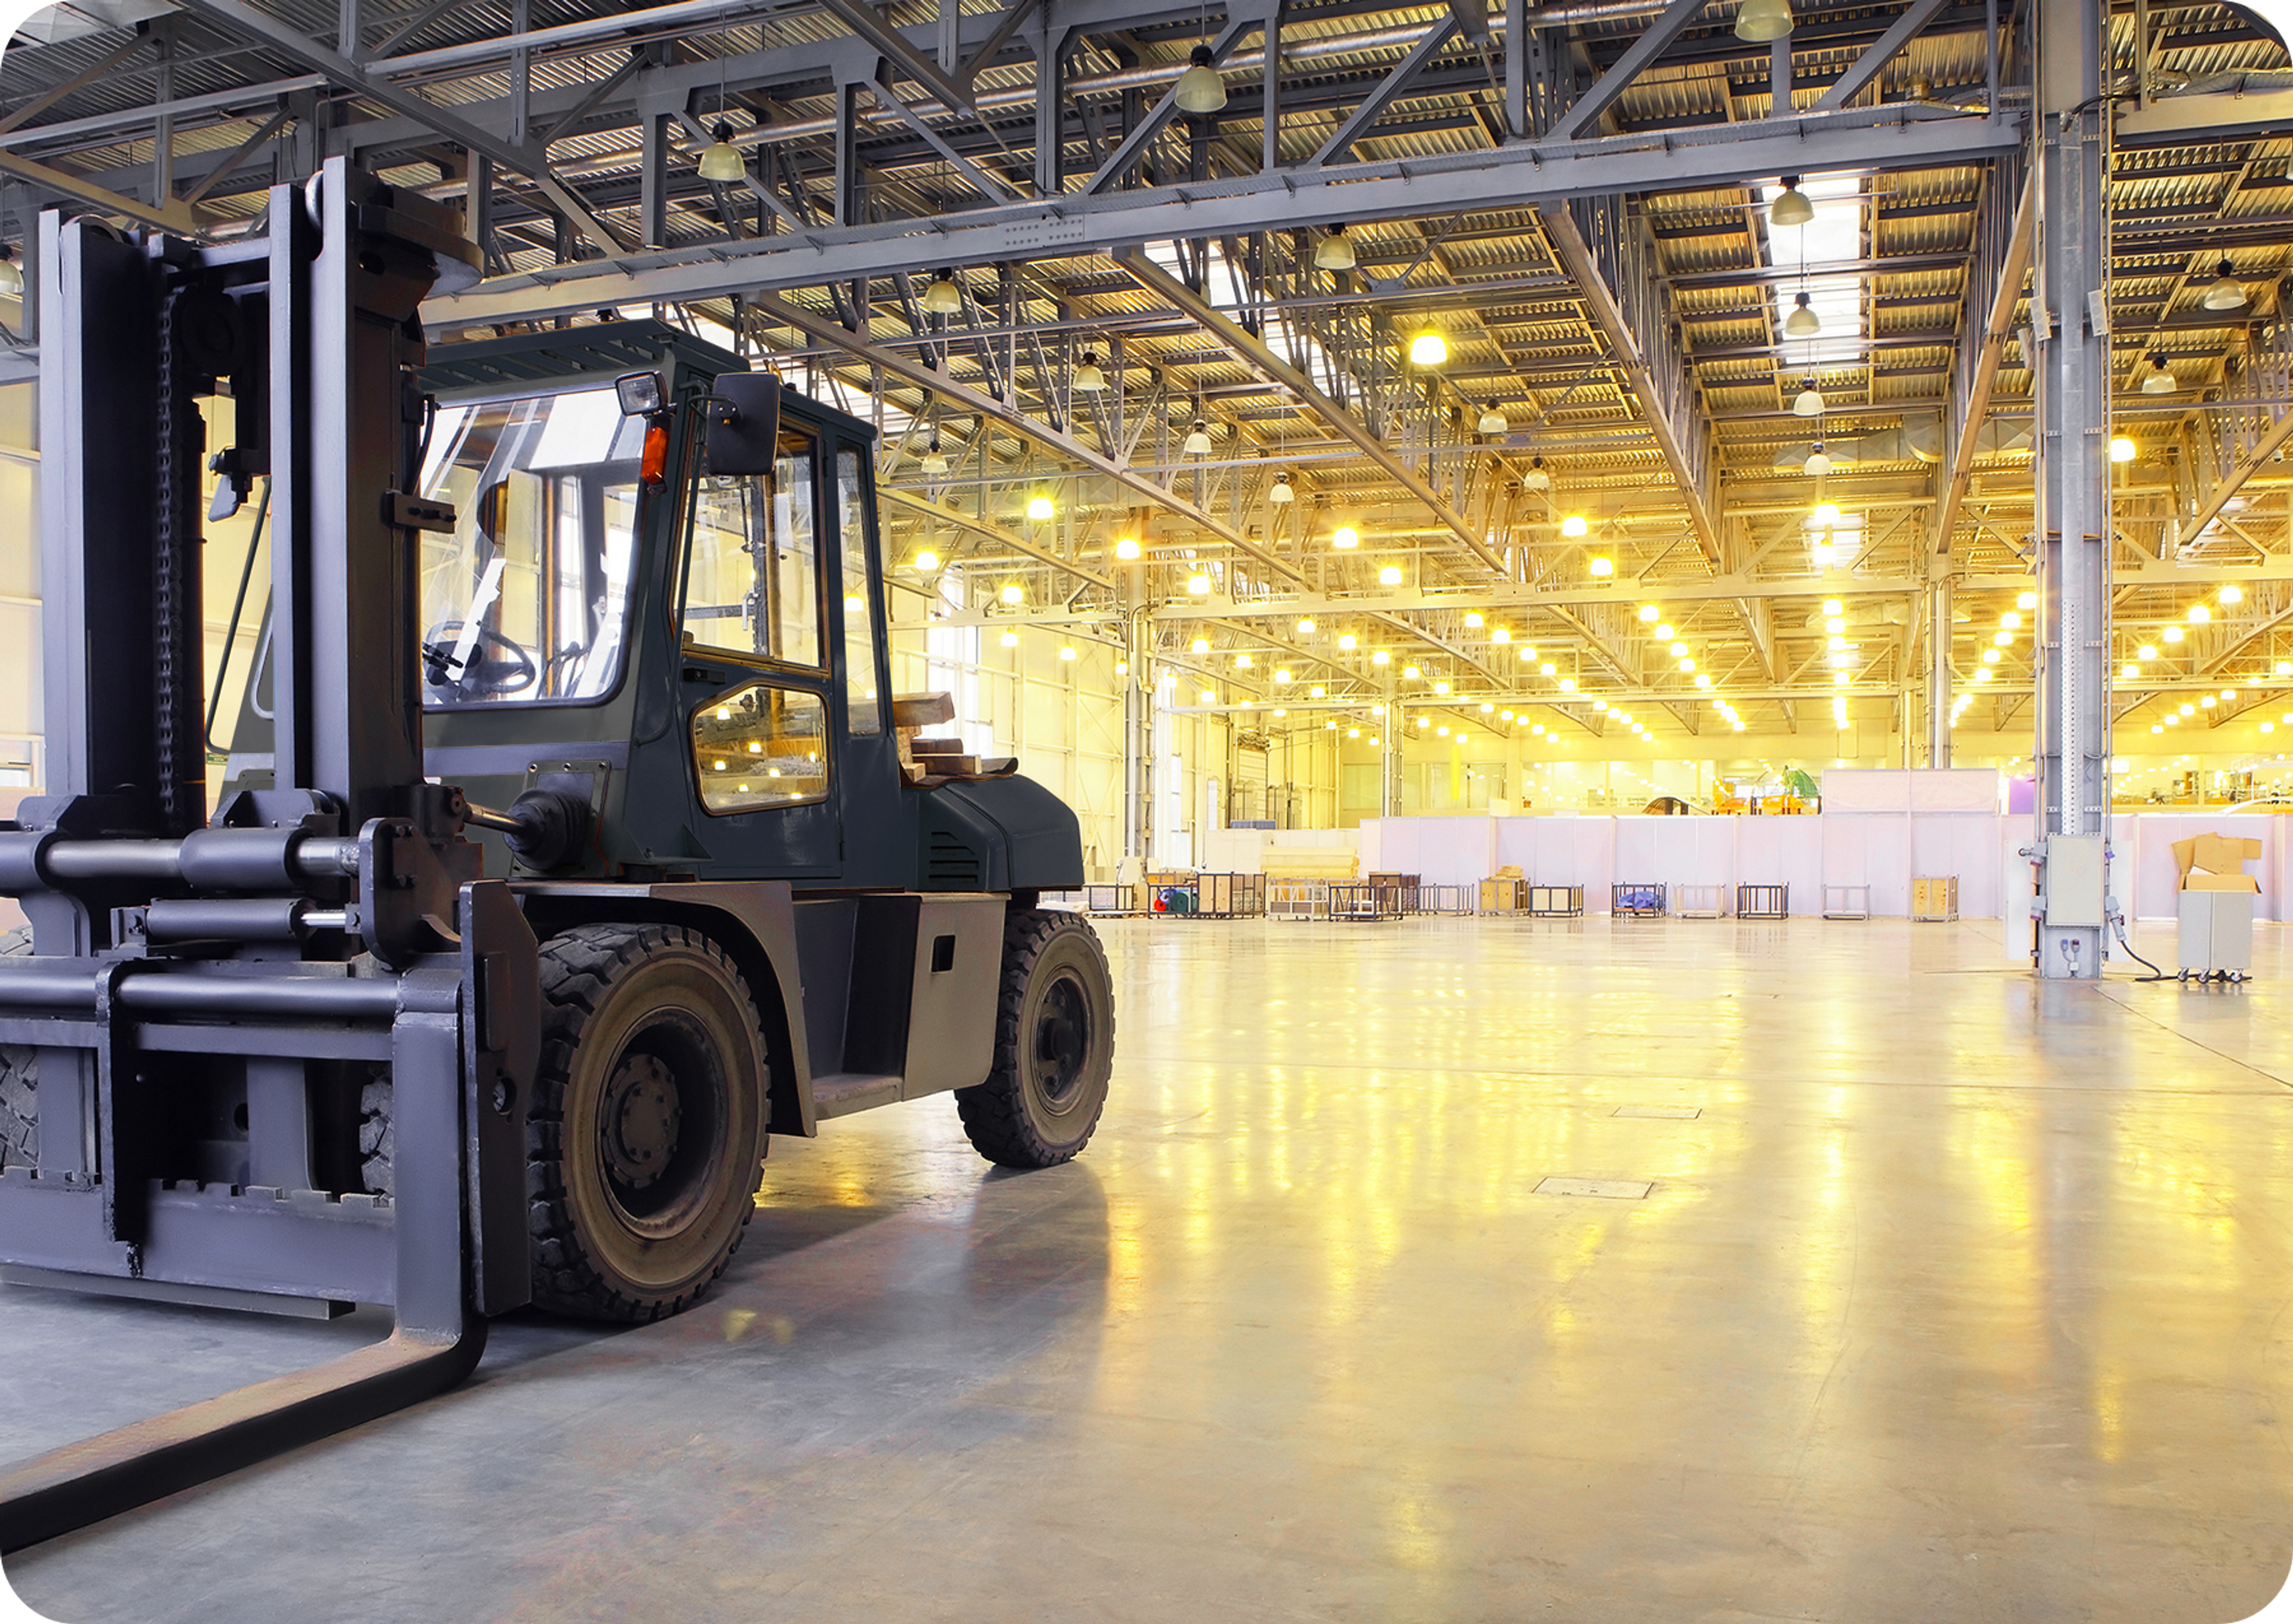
pixel 1556 901
pixel 1505 896
pixel 1294 899
pixel 1763 901
pixel 1230 896
pixel 1403 888
pixel 1366 901
pixel 1935 899
pixel 1441 900
pixel 1637 902
pixel 1847 901
pixel 1700 901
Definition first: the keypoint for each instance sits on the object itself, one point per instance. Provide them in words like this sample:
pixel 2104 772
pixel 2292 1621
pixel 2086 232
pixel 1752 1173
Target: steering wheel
pixel 511 671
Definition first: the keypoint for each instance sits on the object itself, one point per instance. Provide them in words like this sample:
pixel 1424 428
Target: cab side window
pixel 863 704
pixel 752 572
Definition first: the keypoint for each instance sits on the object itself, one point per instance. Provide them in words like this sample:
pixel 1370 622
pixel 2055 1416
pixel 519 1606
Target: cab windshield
pixel 527 602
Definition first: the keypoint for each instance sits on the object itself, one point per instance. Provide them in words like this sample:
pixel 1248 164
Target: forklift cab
pixel 697 654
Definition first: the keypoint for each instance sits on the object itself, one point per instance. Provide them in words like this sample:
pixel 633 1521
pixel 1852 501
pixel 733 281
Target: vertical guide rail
pixel 2072 750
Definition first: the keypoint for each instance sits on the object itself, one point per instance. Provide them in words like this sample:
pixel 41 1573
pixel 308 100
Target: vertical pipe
pixel 1270 92
pixel 2069 750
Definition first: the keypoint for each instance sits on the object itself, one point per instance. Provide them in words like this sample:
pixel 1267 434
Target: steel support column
pixel 1939 673
pixel 1138 764
pixel 2071 751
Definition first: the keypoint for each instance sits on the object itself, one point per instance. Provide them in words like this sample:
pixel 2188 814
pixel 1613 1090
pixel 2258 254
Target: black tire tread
pixel 20 1084
pixel 578 968
pixel 993 1118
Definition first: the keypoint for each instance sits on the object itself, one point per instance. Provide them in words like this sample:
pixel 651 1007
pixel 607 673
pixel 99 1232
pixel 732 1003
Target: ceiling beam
pixel 1260 358
pixel 963 398
pixel 245 21
pixel 999 534
pixel 1858 140
pixel 1977 367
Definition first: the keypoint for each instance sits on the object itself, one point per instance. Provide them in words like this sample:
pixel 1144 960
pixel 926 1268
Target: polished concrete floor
pixel 1956 1298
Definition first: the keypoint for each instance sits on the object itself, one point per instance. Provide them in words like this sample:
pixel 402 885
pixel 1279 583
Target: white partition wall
pixel 1783 851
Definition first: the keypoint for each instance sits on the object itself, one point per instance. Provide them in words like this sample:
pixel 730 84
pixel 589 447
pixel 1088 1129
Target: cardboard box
pixel 2216 862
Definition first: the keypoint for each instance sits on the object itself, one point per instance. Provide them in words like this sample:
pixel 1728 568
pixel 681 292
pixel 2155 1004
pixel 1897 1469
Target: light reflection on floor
pixel 1937 1311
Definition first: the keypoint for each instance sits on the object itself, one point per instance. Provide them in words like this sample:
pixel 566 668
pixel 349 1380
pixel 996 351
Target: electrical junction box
pixel 2074 881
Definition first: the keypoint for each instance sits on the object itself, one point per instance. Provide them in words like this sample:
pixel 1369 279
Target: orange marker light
pixel 653 467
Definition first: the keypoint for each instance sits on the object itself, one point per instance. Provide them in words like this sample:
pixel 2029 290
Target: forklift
pixel 572 842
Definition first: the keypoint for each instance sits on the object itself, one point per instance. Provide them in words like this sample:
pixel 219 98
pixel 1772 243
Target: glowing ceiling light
pixel 1649 614
pixel 925 560
pixel 2122 449
pixel 720 159
pixel 1789 206
pixel 1199 585
pixel 1200 89
pixel 2200 614
pixel 1040 508
pixel 1573 526
pixel 2028 600
pixel 1279 493
pixel 2171 633
pixel 1197 443
pixel 1201 645
pixel 1010 640
pixel 942 297
pixel 1305 626
pixel 1428 349
pixel 1345 538
pixel 1390 575
pixel 1348 641
pixel 1014 593
pixel 2231 593
pixel 1602 567
pixel 1126 549
pixel 2224 292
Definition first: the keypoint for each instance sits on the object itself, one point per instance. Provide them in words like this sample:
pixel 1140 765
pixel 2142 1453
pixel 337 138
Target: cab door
pixel 754 672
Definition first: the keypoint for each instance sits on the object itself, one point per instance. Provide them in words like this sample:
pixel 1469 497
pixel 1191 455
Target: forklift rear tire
pixel 1053 1044
pixel 645 1136
pixel 19 1088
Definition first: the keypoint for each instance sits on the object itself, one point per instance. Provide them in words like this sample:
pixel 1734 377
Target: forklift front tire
pixel 1053 1044
pixel 646 1131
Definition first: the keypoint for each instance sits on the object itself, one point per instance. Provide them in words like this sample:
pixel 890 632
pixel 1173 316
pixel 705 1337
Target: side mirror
pixel 744 422
pixel 641 393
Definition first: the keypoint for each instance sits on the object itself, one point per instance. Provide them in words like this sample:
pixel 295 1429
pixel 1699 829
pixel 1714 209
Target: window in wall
pixel 760 747
pixel 863 704
pixel 952 655
pixel 752 575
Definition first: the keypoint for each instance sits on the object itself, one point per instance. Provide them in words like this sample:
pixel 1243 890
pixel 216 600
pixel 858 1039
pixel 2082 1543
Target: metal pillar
pixel 1137 767
pixel 1939 673
pixel 2071 751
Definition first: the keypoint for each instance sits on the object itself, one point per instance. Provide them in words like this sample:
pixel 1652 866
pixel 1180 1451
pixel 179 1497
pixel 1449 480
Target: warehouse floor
pixel 1959 1299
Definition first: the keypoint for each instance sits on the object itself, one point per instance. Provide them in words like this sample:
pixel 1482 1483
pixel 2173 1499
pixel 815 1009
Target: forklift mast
pixel 206 996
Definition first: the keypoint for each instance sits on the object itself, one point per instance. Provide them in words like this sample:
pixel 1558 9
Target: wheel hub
pixel 640 1120
pixel 1061 1037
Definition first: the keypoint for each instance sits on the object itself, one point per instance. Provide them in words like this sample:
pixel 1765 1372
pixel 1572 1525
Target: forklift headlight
pixel 640 393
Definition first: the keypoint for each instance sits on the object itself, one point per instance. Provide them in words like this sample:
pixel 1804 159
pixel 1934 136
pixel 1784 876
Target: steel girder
pixel 1513 176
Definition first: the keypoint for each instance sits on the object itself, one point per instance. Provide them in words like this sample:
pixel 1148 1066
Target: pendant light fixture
pixel 933 460
pixel 11 274
pixel 1198 438
pixel 1334 252
pixel 1495 423
pixel 720 159
pixel 2224 292
pixel 2158 381
pixel 1758 21
pixel 1428 349
pixel 942 297
pixel 1537 479
pixel 1818 462
pixel 1803 322
pixel 1279 493
pixel 1200 89
pixel 1809 401
pixel 1089 378
pixel 1790 206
